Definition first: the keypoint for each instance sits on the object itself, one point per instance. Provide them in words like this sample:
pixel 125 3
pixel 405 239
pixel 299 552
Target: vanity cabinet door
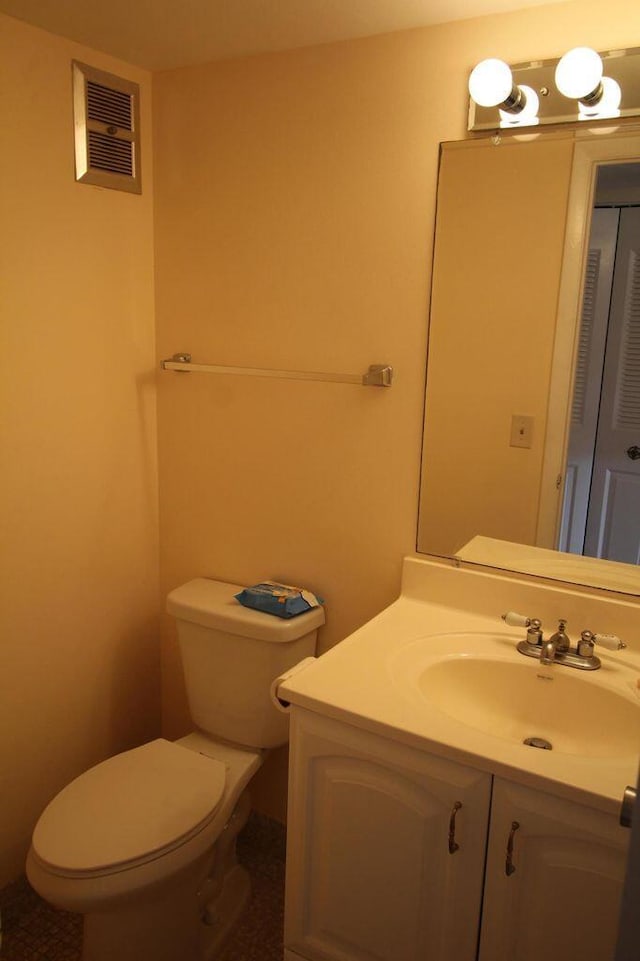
pixel 385 850
pixel 553 882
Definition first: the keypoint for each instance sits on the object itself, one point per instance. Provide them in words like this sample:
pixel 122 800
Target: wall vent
pixel 107 129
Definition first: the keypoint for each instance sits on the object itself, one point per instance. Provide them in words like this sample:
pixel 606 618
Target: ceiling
pixel 163 34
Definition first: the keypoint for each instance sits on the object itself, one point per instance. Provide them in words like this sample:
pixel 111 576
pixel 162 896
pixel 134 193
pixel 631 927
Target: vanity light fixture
pixel 491 85
pixel 579 76
pixel 528 115
pixel 581 85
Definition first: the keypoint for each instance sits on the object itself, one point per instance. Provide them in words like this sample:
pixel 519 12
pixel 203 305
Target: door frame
pixel 589 153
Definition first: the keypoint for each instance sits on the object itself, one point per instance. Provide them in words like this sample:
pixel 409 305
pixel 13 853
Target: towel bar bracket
pixel 378 375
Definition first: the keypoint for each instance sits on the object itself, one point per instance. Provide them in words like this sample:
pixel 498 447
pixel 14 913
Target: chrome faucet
pixel 557 648
pixel 558 643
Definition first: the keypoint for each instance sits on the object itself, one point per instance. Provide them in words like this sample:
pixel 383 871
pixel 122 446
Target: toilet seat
pixel 129 810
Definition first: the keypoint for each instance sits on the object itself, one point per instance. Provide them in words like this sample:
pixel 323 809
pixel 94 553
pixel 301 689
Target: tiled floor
pixel 34 931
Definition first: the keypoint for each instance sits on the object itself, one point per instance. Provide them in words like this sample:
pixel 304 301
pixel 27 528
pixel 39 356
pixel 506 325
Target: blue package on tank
pixel 283 600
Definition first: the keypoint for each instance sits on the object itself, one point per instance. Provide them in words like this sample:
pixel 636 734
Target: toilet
pixel 143 844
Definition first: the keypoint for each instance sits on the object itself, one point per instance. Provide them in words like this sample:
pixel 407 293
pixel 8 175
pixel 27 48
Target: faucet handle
pixel 532 624
pixel 517 620
pixel 611 642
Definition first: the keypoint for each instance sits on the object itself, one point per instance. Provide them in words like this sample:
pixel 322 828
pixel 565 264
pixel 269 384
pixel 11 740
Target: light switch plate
pixel 521 431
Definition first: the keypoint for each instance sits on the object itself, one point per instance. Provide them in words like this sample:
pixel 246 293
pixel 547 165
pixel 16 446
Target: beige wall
pixel 294 215
pixel 79 587
pixel 283 241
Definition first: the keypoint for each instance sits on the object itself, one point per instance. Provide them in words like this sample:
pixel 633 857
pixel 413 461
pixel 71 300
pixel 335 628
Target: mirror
pixel 510 262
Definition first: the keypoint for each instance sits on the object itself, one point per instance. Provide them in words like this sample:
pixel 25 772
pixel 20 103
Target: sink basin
pixel 475 691
pixel 518 699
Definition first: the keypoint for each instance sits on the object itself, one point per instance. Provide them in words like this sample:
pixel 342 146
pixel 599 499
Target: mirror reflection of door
pixel 601 506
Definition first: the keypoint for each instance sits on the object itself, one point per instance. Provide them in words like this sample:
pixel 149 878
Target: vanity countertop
pixel 369 680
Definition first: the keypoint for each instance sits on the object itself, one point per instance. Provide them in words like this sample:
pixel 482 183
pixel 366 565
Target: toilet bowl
pixel 143 844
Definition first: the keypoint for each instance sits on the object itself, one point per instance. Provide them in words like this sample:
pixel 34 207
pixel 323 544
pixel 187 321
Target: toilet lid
pixel 129 809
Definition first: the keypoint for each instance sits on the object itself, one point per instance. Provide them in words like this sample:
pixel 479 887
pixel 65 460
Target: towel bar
pixel 378 375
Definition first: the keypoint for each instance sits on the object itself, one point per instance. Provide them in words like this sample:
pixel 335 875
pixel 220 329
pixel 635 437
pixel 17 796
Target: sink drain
pixel 540 742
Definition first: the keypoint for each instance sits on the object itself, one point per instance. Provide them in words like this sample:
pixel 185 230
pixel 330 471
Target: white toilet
pixel 144 844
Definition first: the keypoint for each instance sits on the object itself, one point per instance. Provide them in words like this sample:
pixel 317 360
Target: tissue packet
pixel 283 600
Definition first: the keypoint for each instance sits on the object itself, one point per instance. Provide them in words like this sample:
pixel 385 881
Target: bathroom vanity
pixel 421 827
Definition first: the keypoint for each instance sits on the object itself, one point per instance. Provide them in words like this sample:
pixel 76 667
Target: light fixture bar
pixel 621 66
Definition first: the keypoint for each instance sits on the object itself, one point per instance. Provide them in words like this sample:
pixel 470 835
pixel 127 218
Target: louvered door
pixel 588 380
pixel 613 521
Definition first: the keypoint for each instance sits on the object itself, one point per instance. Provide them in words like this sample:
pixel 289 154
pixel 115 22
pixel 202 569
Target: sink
pixel 517 699
pixel 480 681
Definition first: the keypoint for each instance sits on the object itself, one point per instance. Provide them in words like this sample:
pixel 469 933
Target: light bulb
pixel 528 116
pixel 609 103
pixel 490 83
pixel 579 73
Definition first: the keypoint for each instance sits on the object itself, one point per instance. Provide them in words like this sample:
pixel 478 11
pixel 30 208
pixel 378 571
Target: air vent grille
pixel 109 106
pixel 107 129
pixel 109 153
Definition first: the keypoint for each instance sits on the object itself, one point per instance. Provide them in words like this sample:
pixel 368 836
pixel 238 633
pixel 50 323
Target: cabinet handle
pixel 453 846
pixel 510 867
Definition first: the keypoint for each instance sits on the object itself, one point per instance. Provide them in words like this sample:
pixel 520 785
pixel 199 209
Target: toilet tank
pixel 231 654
